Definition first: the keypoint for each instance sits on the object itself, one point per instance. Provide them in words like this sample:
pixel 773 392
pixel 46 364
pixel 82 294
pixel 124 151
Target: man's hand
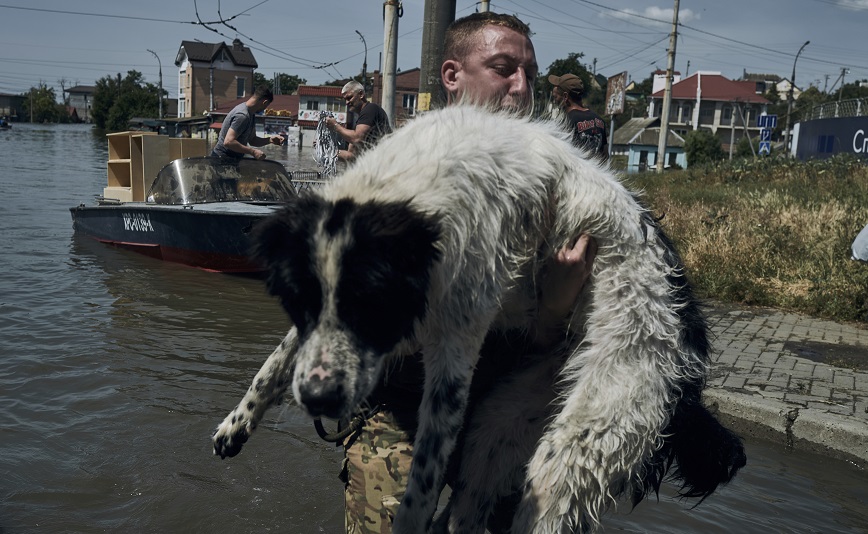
pixel 331 122
pixel 258 154
pixel 565 276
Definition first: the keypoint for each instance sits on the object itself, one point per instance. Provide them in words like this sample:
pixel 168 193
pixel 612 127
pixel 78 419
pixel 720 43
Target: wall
pixel 823 138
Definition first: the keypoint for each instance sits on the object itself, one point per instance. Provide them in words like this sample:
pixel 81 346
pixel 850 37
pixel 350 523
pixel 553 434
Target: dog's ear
pixel 279 235
pixel 386 271
pixel 399 233
pixel 281 244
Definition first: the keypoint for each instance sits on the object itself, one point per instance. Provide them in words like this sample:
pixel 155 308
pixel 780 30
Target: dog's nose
pixel 323 398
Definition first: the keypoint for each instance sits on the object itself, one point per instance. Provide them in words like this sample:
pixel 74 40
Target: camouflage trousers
pixel 376 467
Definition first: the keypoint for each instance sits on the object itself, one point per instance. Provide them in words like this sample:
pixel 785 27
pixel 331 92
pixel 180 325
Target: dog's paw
pixel 231 435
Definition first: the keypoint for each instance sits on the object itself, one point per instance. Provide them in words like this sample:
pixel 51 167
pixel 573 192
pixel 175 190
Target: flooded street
pixel 115 368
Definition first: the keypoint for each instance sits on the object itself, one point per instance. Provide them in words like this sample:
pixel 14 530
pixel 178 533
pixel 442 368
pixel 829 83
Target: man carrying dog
pixel 489 59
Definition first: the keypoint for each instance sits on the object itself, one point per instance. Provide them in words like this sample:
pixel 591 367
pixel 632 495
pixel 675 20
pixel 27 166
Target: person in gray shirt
pixel 239 131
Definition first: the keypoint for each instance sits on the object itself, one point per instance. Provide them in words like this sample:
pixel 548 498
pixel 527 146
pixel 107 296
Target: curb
pixel 812 430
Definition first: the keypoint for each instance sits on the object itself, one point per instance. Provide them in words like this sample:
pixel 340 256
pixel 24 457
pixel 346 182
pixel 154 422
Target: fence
pixel 306 180
pixel 856 107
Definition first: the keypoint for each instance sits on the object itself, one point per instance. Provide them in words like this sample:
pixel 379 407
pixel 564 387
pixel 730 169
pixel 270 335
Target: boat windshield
pixel 206 179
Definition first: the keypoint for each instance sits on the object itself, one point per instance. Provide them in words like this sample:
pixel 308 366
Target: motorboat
pixel 199 211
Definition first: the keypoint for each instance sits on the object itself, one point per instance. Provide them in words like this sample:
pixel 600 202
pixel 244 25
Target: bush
pixel 702 146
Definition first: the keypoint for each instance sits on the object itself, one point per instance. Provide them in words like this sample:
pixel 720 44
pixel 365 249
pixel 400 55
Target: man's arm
pixel 232 143
pixel 350 136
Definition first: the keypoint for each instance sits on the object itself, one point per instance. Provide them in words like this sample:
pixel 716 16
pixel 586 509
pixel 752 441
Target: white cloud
pixel 663 15
pixel 855 5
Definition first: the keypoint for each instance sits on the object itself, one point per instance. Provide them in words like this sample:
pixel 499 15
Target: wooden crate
pixel 134 159
pixel 180 147
pixel 148 154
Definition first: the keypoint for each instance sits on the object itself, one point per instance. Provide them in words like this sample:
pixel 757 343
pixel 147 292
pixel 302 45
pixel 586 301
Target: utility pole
pixel 484 6
pixel 438 15
pixel 844 70
pixel 790 99
pixel 391 14
pixel 210 88
pixel 667 92
pixel 160 97
pixel 731 130
pixel 364 62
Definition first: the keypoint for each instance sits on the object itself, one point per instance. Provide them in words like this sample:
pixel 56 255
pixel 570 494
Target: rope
pixel 356 424
pixel 327 142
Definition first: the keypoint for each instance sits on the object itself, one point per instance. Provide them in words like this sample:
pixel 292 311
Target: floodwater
pixel 115 368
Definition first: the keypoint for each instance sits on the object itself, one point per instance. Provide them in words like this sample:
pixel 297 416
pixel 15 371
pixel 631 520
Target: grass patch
pixel 769 232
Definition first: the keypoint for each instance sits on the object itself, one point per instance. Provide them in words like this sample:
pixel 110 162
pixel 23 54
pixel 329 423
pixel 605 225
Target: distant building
pixel 406 94
pixel 638 139
pixel 764 83
pixel 658 82
pixel 210 74
pixel 80 101
pixel 708 100
pixel 11 106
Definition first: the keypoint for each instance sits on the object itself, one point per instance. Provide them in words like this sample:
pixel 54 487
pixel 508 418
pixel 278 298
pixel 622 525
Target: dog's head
pixel 354 280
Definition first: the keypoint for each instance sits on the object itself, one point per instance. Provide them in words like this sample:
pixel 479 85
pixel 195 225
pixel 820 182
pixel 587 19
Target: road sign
pixel 765 134
pixel 767 121
pixel 765 148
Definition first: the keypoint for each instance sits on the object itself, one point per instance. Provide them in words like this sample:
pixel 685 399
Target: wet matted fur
pixel 437 236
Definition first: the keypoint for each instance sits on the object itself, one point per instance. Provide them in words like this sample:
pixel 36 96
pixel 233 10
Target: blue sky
pixel 53 41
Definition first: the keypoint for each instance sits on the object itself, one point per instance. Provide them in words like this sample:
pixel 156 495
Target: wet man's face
pixel 500 70
pixel 353 100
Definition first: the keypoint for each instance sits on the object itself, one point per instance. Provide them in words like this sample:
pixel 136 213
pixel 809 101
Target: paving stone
pixel 750 358
pixel 844 379
pixel 734 382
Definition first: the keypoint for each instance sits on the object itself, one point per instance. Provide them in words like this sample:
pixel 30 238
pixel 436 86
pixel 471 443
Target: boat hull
pixel 213 237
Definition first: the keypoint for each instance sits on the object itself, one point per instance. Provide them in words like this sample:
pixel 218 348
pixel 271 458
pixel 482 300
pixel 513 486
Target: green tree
pixel 259 80
pixel 702 146
pixel 777 106
pixel 288 82
pixel 852 90
pixel 40 103
pixel 116 101
pixel 808 98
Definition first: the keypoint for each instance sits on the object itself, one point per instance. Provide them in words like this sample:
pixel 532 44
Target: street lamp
pixel 365 63
pixel 160 97
pixel 790 99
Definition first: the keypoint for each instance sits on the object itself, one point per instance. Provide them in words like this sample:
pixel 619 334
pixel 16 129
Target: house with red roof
pixel 708 100
pixel 313 99
pixel 702 100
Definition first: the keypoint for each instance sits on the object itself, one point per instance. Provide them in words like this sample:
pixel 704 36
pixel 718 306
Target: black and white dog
pixel 439 235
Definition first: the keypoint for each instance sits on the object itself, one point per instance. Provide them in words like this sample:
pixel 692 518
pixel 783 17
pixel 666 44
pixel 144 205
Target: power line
pixel 64 12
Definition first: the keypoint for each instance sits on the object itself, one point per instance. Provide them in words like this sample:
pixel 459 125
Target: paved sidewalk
pixel 791 378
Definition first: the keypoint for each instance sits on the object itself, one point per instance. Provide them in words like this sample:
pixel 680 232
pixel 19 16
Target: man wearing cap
pixel 588 129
